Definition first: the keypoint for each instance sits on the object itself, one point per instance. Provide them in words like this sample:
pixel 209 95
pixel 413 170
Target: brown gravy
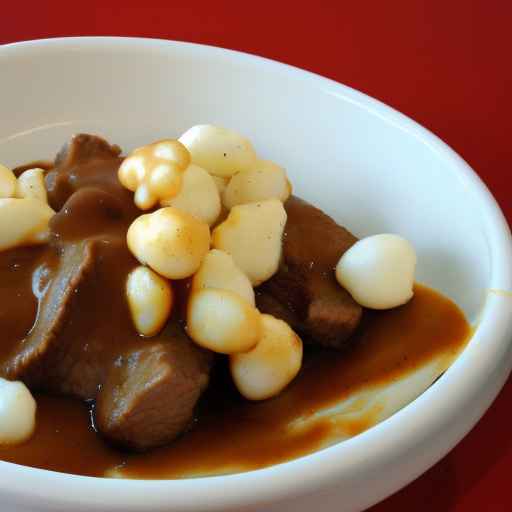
pixel 233 434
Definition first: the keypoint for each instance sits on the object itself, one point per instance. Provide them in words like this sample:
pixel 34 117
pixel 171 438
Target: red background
pixel 447 64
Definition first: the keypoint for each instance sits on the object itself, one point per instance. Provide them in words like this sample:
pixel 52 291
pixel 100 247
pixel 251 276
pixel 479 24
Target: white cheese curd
pixel 220 151
pixel 222 321
pixel 271 365
pixel 17 412
pixel 378 271
pixel 252 234
pixel 265 181
pixel 150 299
pixel 23 222
pixel 30 185
pixel 173 243
pixel 154 172
pixel 198 196
pixel 7 182
pixel 218 270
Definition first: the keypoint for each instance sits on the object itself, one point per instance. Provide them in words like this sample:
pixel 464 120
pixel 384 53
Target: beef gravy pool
pixel 232 434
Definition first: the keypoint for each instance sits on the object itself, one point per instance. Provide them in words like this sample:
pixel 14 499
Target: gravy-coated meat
pixel 304 292
pixel 83 342
pixel 149 395
pixel 312 238
pixel 103 211
pixel 25 273
pixel 86 160
pixel 29 359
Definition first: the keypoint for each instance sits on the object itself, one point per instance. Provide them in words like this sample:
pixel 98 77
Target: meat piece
pixel 24 273
pixel 84 147
pixel 83 342
pixel 312 238
pixel 148 389
pixel 150 393
pixel 268 303
pixel 104 212
pixel 73 339
pixel 85 161
pixel 304 292
pixel 54 307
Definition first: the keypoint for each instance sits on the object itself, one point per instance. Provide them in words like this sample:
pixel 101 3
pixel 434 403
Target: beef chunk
pixel 148 389
pixel 312 238
pixel 150 392
pixel 63 353
pixel 24 272
pixel 304 292
pixel 83 342
pixel 268 303
pixel 86 160
pixel 84 147
pixel 75 264
pixel 103 210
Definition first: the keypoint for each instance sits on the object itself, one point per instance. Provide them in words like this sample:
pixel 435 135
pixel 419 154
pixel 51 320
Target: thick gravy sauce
pixel 232 434
pixel 24 274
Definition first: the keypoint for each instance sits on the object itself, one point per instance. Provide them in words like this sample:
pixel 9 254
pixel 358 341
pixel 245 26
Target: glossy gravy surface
pixel 235 435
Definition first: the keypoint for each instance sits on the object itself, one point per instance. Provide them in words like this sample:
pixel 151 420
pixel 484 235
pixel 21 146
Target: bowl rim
pixel 343 462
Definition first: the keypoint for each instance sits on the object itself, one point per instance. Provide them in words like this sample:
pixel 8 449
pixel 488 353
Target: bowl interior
pixel 371 174
pixel 369 167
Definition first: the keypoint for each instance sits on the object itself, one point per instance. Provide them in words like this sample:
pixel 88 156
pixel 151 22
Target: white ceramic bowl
pixel 367 165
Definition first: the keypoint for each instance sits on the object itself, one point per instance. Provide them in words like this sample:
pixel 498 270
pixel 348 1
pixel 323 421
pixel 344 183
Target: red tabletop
pixel 447 64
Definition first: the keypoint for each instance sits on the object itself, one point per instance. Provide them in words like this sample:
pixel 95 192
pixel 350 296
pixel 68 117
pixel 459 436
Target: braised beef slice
pixel 304 292
pixel 150 393
pixel 312 238
pixel 103 210
pixel 90 321
pixel 24 274
pixel 83 342
pixel 75 264
pixel 148 389
pixel 84 147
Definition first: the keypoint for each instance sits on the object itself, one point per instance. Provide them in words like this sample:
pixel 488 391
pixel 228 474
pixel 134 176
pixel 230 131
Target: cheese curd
pixel 23 222
pixel 271 365
pixel 154 172
pixel 222 321
pixel 30 185
pixel 150 299
pixel 265 181
pixel 198 196
pixel 7 182
pixel 218 270
pixel 220 151
pixel 252 235
pixel 17 412
pixel 170 241
pixel 378 271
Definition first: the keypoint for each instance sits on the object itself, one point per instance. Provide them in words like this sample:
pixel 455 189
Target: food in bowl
pixel 171 292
